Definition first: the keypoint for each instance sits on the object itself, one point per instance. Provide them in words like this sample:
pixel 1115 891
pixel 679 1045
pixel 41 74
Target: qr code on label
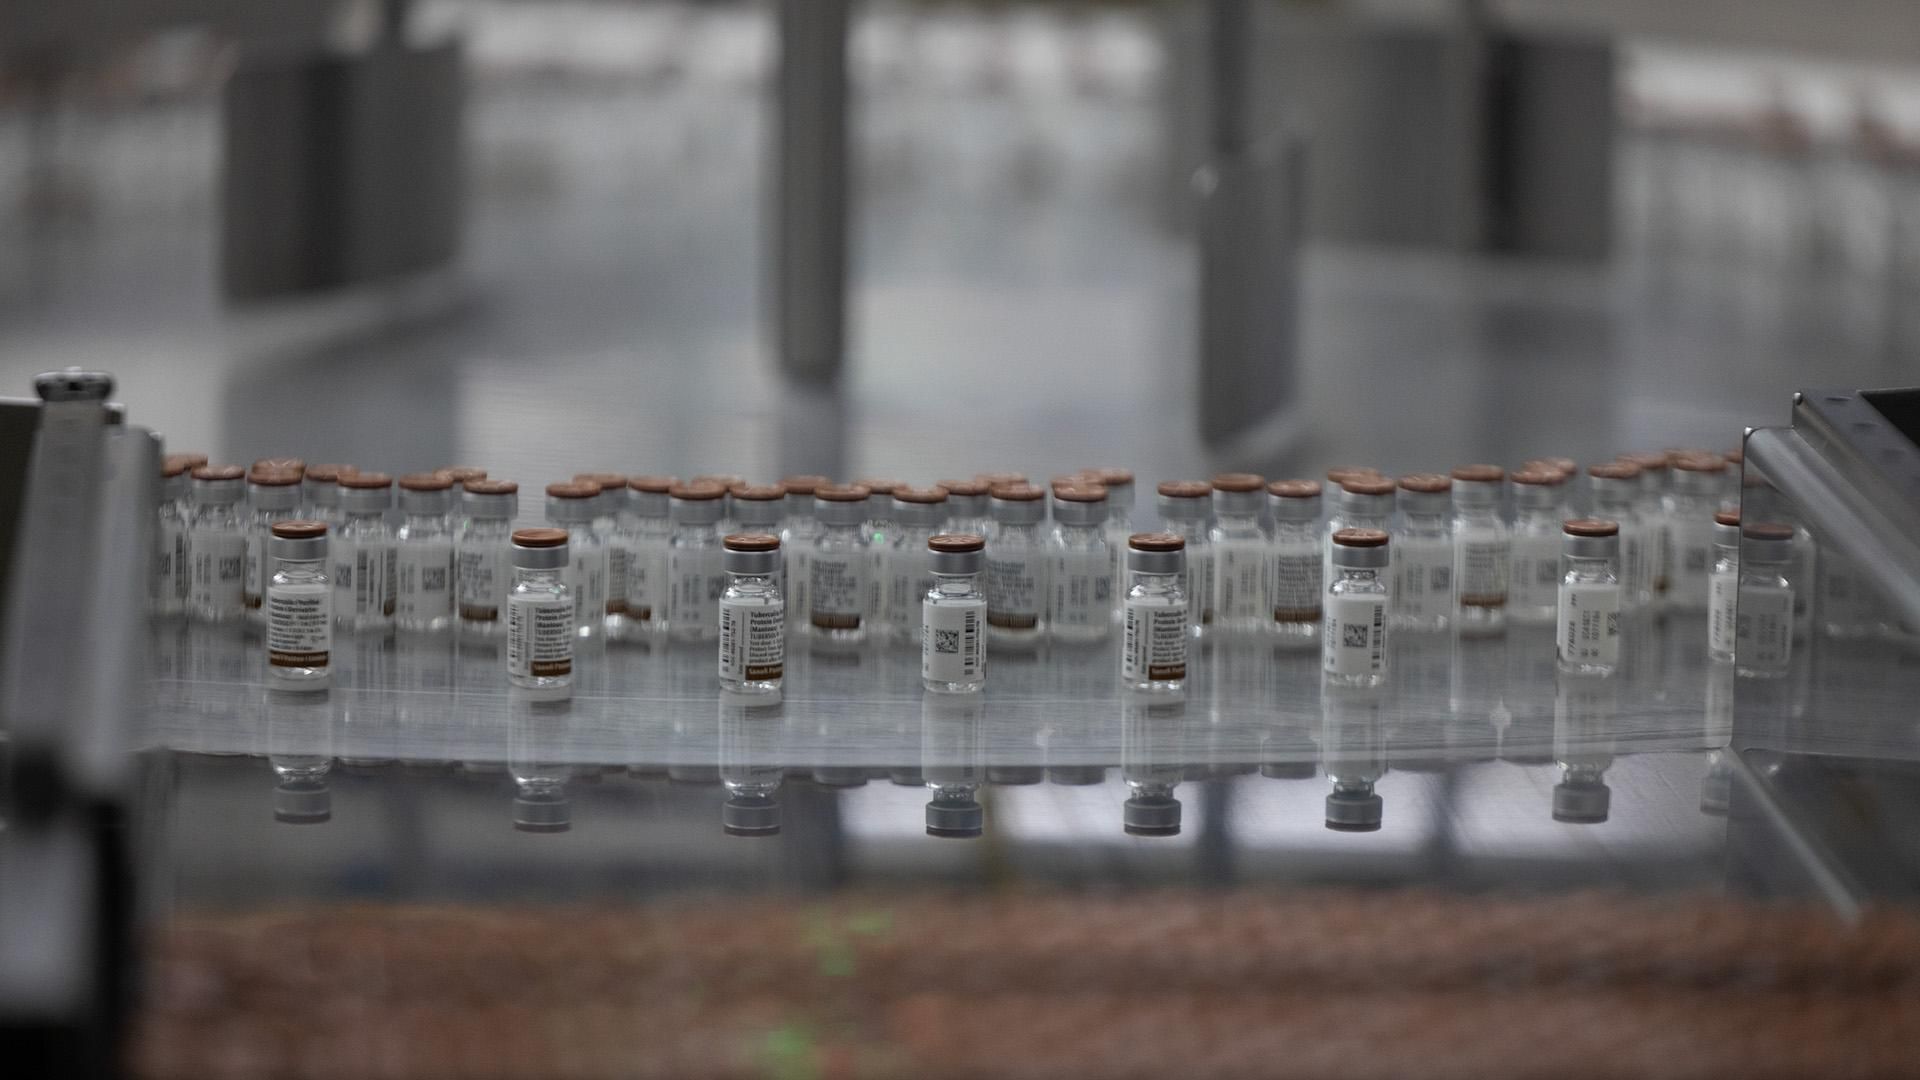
pixel 946 641
pixel 1354 635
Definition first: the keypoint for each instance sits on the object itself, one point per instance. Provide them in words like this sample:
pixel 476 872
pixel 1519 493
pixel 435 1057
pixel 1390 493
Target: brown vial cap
pixel 957 543
pixel 1082 492
pixel 367 480
pixel 651 485
pixel 279 464
pixel 1539 475
pixel 1361 538
pixel 843 492
pixel 1110 477
pixel 924 495
pixel 1480 474
pixel 1018 493
pixel 460 474
pixel 194 459
pixel 1707 462
pixel 175 464
pixel 329 473
pixel 697 491
pixel 1369 485
pixel 1340 474
pixel 965 489
pixel 260 477
pixel 1553 464
pixel 218 472
pixel 1185 489
pixel 1726 517
pixel 1767 530
pixel 1236 482
pixel 804 483
pixel 299 530
pixel 998 479
pixel 426 481
pixel 492 487
pixel 1426 483
pixel 880 485
pixel 604 479
pixel 1687 451
pixel 725 480
pixel 751 542
pixel 1156 542
pixel 1590 527
pixel 758 493
pixel 1650 459
pixel 1615 470
pixel 1294 489
pixel 577 489
pixel 539 538
pixel 1735 456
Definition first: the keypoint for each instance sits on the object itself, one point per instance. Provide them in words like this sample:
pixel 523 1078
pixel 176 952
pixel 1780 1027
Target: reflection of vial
pixel 1763 626
pixel 1353 748
pixel 1153 761
pixel 1533 579
pixel 540 611
pixel 967 510
pixel 1723 588
pixel 797 537
pixel 273 495
pixel 880 527
pixel 1618 497
pixel 751 766
pixel 840 568
pixel 1294 576
pixel 1016 565
pixel 320 493
pixel 363 553
pixel 753 618
pixel 953 616
pixel 1241 603
pixel 1585 718
pixel 1186 511
pixel 1696 486
pixel 755 508
pixel 1588 635
pixel 171 570
pixel 217 539
pixel 1354 648
pixel 1080 580
pixel 481 553
pixel 649 536
pixel 573 507
pixel 1153 656
pixel 1423 554
pixel 953 762
pixel 299 603
pixel 300 752
pixel 609 514
pixel 1119 526
pixel 1482 546
pixel 423 554
pixel 695 574
pixel 918 513
pixel 1650 515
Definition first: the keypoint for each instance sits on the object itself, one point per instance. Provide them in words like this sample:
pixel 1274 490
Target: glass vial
pixel 1588 635
pixel 1119 526
pixel 320 493
pixel 1763 627
pixel 1016 566
pixel 1186 511
pixel 1354 650
pixel 1650 516
pixel 299 604
pixel 953 616
pixel 423 555
pixel 1617 497
pixel 1423 554
pixel 1294 576
pixel 573 506
pixel 1153 653
pixel 967 507
pixel 217 539
pixel 362 554
pixel 1697 481
pixel 172 569
pixel 840 568
pixel 1079 565
pixel 273 495
pixel 918 513
pixel 1723 587
pixel 541 620
pixel 1364 501
pixel 1539 506
pixel 1482 546
pixel 610 511
pixel 753 617
pixel 797 537
pixel 696 569
pixel 1241 604
pixel 648 540
pixel 482 554
pixel 880 528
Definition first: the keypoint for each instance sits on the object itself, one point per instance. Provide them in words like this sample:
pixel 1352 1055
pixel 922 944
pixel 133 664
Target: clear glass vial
pixel 273 495
pixel 540 612
pixel 1764 624
pixel 320 493
pixel 362 554
pixel 1698 480
pixel 758 508
pixel 752 766
pixel 574 506
pixel 1354 649
pixel 1186 511
pixel 1154 759
pixel 172 561
pixel 1016 566
pixel 753 618
pixel 1153 652
pixel 1240 542
pixel 1120 496
pixel 610 512
pixel 1616 493
pixel 482 554
pixel 648 539
pixel 696 569
pixel 1295 576
pixel 423 574
pixel 1483 547
pixel 299 604
pixel 1587 639
pixel 217 540
pixel 953 616
pixel 967 507
pixel 797 537
pixel 840 568
pixel 1539 506
pixel 1423 558
pixel 1723 588
pixel 1080 582
pixel 1364 501
pixel 1649 511
pixel 918 513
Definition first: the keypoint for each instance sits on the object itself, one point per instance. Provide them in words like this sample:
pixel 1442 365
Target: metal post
pixel 810 189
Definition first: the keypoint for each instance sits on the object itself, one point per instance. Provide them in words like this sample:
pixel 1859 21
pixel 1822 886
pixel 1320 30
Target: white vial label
pixel 753 641
pixel 839 589
pixel 798 569
pixel 1239 580
pixel 1423 579
pixel 256 580
pixel 1659 550
pixel 1297 585
pixel 1692 561
pixel 1763 634
pixel 909 579
pixel 299 625
pixel 483 584
pixel 616 595
pixel 1082 588
pixel 1155 644
pixel 646 582
pixel 423 576
pixel 952 641
pixel 1199 585
pixel 586 578
pixel 219 569
pixel 1636 568
pixel 1590 624
pixel 1356 637
pixel 1013 591
pixel 699 577
pixel 1534 572
pixel 1482 568
pixel 361 573
pixel 171 570
pixel 1722 592
pixel 539 637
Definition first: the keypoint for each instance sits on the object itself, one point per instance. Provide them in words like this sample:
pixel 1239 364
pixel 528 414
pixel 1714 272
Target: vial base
pixel 555 685
pixel 1366 679
pixel 1586 667
pixel 1747 671
pixel 1156 687
pixel 214 613
pixel 1015 638
pixel 364 624
pixel 1240 626
pixel 839 635
pixel 753 688
pixel 1297 633
pixel 968 686
pixel 1720 656
pixel 1533 615
pixel 1081 634
pixel 1481 618
pixel 437 624
pixel 1421 624
pixel 478 628
pixel 299 678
